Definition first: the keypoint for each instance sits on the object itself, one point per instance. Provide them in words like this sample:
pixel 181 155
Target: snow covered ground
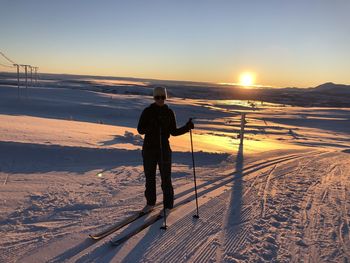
pixel 70 165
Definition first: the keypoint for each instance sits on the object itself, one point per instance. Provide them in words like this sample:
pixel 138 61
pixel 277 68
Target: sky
pixel 299 43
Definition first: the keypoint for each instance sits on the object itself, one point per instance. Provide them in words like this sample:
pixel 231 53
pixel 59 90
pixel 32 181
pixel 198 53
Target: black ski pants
pixel 152 157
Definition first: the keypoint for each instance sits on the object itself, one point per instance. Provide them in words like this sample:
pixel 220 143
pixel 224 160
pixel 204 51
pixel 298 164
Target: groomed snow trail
pixel 299 211
pixel 287 209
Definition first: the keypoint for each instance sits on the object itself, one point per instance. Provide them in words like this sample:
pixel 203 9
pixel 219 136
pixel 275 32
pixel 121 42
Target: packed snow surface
pixel 70 166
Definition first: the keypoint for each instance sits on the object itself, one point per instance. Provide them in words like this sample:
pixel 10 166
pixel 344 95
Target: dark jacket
pixel 155 119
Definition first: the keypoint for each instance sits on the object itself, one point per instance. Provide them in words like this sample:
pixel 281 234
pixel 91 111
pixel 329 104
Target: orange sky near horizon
pixel 283 43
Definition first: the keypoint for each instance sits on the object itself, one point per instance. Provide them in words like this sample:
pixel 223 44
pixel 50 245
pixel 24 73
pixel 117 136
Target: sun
pixel 247 79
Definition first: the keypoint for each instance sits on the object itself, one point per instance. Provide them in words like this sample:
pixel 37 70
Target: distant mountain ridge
pixel 332 88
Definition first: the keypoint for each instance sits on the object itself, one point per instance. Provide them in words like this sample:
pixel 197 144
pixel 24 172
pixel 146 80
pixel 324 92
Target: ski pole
pixel 194 175
pixel 162 170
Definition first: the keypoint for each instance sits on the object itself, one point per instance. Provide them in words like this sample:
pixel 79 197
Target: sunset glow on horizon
pixel 247 79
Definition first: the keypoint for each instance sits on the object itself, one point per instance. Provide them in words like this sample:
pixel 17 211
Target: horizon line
pixel 185 81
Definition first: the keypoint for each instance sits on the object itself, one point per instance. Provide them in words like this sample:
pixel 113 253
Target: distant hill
pixel 325 95
pixel 331 87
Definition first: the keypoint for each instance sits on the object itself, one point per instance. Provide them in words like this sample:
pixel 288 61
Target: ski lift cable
pixel 9 60
pixel 6 66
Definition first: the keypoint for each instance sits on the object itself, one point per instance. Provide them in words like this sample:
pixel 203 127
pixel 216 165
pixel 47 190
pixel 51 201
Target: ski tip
pixel 94 237
pixel 114 244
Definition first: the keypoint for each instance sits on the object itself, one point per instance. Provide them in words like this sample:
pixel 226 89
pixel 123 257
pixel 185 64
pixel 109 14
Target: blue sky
pixel 284 43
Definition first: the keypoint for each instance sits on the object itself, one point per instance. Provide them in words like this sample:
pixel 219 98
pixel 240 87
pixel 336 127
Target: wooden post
pixel 243 122
pixel 26 71
pixel 36 76
pixel 31 76
pixel 26 74
pixel 17 65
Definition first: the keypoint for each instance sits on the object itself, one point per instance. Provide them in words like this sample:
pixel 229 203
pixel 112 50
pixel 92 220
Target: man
pixel 158 122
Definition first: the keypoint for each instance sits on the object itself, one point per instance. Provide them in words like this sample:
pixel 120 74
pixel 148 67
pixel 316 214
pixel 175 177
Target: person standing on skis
pixel 157 122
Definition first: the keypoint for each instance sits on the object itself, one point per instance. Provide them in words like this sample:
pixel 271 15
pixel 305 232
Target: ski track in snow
pixel 272 199
pixel 212 243
pixel 288 228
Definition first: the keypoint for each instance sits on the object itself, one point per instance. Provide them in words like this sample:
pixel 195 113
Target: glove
pixel 190 124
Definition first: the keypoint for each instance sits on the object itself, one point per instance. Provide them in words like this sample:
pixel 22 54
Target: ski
pixel 151 220
pixel 118 226
pixel 147 223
